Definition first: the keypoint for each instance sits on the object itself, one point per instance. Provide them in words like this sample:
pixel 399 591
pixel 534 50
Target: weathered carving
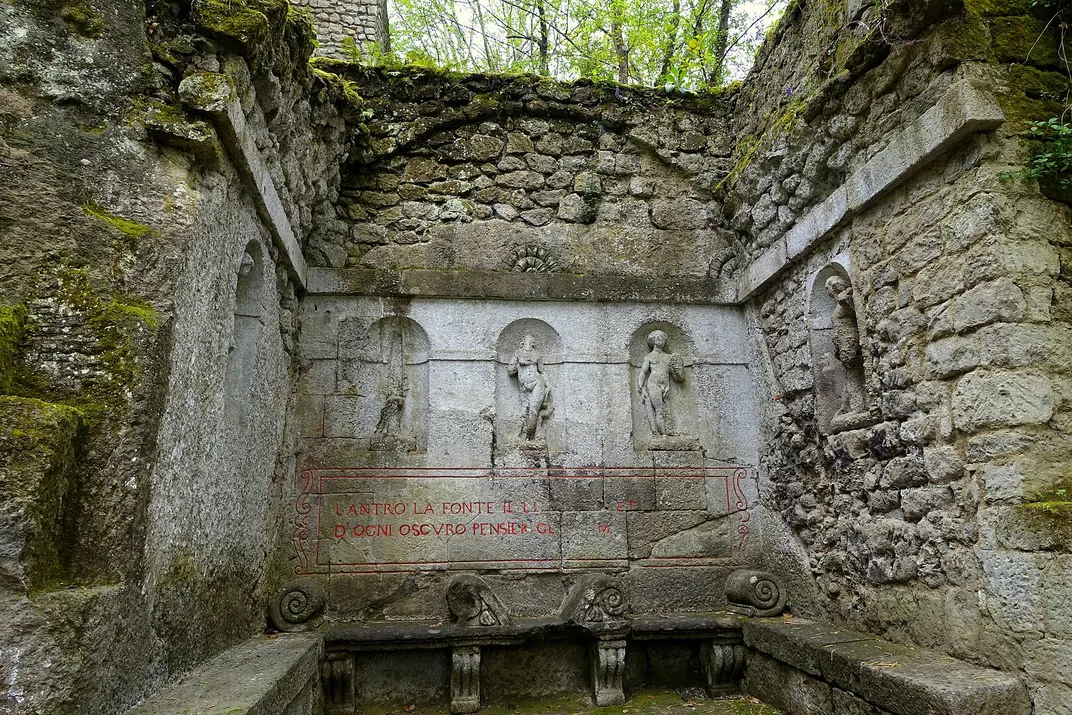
pixel 608 668
pixel 853 412
pixel 653 384
pixel 298 606
pixel 595 601
pixel 473 603
pixel 397 344
pixel 722 666
pixel 755 593
pixel 535 392
pixel 337 680
pixel 532 259
pixel 388 434
pixel 465 679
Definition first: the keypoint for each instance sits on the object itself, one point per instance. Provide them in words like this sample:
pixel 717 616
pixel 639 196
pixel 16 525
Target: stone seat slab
pixel 409 635
pixel 262 676
pixel 901 679
pixel 715 625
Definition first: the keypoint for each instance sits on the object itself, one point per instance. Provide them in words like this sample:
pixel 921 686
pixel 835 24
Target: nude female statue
pixel 527 366
pixel 846 339
pixel 653 384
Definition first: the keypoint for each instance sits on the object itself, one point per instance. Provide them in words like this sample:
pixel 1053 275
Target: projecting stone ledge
pixel 962 111
pixel 834 670
pixel 263 676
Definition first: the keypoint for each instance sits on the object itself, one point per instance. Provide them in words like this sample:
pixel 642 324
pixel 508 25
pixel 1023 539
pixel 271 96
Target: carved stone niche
pixel 388 370
pixel 473 603
pixel 661 385
pixel 528 373
pixel 298 606
pixel 836 337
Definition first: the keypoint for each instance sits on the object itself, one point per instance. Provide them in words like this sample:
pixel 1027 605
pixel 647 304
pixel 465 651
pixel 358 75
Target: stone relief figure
pixel 845 332
pixel 653 384
pixel 534 391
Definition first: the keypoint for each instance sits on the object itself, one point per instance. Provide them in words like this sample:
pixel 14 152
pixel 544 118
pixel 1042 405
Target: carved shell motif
pixel 532 259
pixel 605 604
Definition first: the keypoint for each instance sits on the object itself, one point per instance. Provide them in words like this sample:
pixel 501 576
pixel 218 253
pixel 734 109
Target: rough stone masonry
pixel 297 344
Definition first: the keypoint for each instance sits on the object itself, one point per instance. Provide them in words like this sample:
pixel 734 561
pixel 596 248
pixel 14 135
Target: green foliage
pixel 682 44
pixel 1051 160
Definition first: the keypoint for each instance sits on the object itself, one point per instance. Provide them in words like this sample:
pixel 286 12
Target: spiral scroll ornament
pixel 607 604
pixel 298 606
pixel 755 593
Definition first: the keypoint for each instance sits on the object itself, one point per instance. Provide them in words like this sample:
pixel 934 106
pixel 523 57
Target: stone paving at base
pixel 689 701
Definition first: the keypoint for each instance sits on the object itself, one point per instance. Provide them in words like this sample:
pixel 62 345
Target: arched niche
pixel 835 336
pixel 662 388
pixel 246 332
pixel 393 357
pixel 528 373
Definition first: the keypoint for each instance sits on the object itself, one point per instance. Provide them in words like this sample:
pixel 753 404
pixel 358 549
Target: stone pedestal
pixel 722 667
pixel 608 667
pixel 465 679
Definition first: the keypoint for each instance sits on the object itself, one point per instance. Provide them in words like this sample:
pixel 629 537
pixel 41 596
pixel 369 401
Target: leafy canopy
pixel 684 44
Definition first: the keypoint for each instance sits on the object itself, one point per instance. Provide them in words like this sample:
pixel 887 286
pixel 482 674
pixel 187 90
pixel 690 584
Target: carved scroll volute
pixel 596 602
pixel 473 603
pixel 298 606
pixel 755 593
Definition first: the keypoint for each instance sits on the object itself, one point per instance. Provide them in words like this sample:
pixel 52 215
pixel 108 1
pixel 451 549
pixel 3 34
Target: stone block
pixel 262 675
pixel 999 300
pixel 917 503
pixel 678 214
pixel 317 377
pixel 1001 399
pixel 848 704
pixel 39 449
pixel 784 687
pixel 594 536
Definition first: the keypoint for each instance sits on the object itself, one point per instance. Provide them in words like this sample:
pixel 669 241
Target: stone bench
pixel 808 668
pixel 719 633
pixel 262 676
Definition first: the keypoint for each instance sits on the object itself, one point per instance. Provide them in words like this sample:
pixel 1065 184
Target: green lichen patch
pixel 83 20
pixel 12 330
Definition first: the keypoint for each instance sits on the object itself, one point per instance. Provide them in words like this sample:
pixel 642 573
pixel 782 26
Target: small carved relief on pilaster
pixel 465 679
pixel 337 681
pixel 473 603
pixel 608 670
pixel 722 667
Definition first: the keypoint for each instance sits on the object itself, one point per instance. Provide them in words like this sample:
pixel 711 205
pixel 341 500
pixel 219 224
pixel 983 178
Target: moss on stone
pixel 12 330
pixel 123 225
pixel 83 20
pixel 242 22
pixel 999 7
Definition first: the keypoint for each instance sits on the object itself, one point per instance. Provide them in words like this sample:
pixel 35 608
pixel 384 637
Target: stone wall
pixel 933 522
pixel 342 22
pixel 148 334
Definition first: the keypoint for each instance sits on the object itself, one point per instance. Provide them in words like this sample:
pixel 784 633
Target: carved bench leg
pixel 465 679
pixel 722 666
pixel 608 667
pixel 337 679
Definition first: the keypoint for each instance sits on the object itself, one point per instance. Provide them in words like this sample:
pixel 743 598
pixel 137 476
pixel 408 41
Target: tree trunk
pixel 717 74
pixel 544 42
pixel 671 40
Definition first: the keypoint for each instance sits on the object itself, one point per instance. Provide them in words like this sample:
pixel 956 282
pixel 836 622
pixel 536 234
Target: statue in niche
pixel 535 393
pixel 391 432
pixel 853 412
pixel 653 384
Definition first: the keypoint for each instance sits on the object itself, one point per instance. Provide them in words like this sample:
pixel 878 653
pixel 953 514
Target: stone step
pixel 262 676
pixel 836 670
